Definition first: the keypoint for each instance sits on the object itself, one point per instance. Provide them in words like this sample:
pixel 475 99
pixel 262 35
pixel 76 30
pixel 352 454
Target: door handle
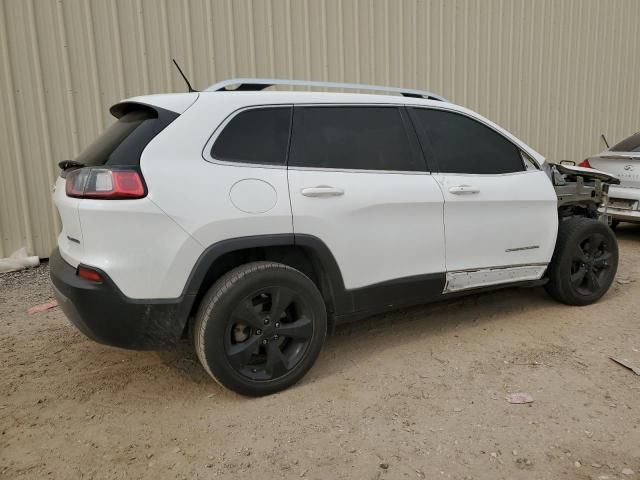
pixel 464 189
pixel 322 191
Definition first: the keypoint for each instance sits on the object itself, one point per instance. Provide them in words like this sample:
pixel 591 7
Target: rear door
pixel 500 210
pixel 358 183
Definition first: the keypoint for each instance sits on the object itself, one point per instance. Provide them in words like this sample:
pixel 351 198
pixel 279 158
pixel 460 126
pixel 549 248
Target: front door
pixel 500 210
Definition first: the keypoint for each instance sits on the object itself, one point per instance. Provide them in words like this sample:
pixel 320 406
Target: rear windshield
pixel 123 142
pixel 629 144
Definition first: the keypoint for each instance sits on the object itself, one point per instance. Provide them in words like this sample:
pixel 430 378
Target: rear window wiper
pixel 70 164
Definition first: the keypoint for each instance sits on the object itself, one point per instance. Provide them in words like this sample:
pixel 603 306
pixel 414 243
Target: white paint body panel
pixel 385 226
pixel 509 212
pixel 143 250
pixel 624 165
pixel 70 239
pixel 252 195
pixel 176 102
pixel 196 193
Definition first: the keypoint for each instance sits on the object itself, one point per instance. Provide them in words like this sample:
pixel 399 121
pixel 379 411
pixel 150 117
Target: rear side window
pixel 362 138
pixel 123 142
pixel 259 136
pixel 459 144
pixel 629 144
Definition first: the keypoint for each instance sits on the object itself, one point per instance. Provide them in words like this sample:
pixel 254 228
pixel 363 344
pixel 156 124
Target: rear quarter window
pixel 123 142
pixel 256 136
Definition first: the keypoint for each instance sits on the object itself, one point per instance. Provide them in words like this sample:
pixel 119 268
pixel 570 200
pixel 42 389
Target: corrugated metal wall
pixel 555 73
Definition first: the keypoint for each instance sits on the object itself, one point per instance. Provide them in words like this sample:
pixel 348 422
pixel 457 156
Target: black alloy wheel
pixel 584 262
pixel 269 331
pixel 591 261
pixel 260 328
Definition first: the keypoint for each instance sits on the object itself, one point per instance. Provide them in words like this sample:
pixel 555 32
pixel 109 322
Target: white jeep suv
pixel 255 221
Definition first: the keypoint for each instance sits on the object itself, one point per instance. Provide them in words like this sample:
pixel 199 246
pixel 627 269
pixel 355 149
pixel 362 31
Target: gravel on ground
pixel 419 393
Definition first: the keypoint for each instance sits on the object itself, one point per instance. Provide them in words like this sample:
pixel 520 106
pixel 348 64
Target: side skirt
pixel 401 301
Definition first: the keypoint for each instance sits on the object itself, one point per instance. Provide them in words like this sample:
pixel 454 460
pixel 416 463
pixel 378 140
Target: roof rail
pixel 256 84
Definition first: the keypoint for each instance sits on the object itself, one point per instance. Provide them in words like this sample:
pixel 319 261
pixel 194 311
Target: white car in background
pixel 623 161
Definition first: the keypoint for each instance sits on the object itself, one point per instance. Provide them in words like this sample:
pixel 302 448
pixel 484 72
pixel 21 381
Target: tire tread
pixel 206 311
pixel 556 287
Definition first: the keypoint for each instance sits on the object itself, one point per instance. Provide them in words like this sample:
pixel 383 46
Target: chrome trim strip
pixel 518 249
pixel 467 279
pixel 356 170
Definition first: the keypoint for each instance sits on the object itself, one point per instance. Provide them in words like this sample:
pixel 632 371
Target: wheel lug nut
pixel 258 332
pixel 265 341
pixel 266 321
pixel 277 324
pixel 275 337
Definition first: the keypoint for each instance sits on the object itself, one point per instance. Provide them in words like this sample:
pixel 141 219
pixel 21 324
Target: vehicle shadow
pixel 357 341
pixel 628 231
pixel 183 361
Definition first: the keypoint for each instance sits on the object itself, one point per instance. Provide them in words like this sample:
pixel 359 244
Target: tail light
pixel 585 163
pixel 105 183
pixel 89 274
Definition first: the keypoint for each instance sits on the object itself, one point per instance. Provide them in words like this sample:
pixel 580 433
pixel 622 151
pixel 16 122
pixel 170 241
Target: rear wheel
pixel 584 262
pixel 260 328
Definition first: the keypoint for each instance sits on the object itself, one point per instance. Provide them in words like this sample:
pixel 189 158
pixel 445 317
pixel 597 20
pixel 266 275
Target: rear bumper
pixel 624 193
pixel 624 215
pixel 104 314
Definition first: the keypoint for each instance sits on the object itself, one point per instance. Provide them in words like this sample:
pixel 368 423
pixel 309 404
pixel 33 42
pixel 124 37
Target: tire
pixel 260 328
pixel 584 262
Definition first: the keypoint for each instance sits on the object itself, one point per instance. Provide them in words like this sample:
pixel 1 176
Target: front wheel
pixel 260 328
pixel 584 262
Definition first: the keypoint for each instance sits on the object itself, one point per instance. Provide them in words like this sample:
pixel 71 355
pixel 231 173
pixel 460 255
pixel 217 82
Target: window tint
pixel 369 138
pixel 124 141
pixel 629 144
pixel 255 136
pixel 460 144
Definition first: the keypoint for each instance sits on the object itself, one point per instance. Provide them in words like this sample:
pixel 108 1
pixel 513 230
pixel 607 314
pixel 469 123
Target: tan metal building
pixel 556 73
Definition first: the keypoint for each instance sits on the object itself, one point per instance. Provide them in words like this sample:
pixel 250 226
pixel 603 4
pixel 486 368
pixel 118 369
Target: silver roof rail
pixel 255 84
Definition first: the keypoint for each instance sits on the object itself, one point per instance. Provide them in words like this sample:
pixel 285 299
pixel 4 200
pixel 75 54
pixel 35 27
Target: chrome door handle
pixel 322 191
pixel 463 189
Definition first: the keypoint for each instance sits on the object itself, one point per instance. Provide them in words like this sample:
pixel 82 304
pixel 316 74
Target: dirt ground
pixel 419 393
